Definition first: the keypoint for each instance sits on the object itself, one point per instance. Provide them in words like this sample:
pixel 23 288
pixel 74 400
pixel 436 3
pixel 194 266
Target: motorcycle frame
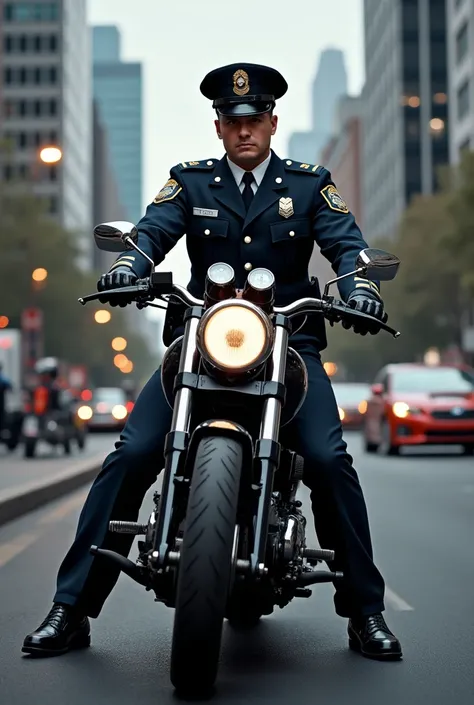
pixel 267 448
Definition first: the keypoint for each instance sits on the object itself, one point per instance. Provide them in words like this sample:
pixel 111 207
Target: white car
pixel 108 409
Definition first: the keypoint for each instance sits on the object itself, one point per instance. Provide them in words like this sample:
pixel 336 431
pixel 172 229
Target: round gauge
pixel 221 273
pixel 261 279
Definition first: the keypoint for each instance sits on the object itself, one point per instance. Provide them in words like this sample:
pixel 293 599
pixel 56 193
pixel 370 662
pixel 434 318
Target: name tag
pixel 208 212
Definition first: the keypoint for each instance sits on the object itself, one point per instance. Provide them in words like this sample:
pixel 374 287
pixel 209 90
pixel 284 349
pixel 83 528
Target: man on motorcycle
pixel 249 209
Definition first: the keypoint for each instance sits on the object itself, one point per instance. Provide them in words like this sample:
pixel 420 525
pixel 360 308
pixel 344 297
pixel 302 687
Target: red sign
pixel 32 319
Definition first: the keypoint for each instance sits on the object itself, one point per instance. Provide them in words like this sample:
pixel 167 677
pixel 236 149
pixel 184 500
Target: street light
pixel 102 316
pixel 4 321
pixel 50 155
pixel 127 368
pixel 120 360
pixel 119 344
pixel 40 274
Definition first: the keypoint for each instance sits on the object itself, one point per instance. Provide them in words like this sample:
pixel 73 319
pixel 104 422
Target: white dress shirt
pixel 258 174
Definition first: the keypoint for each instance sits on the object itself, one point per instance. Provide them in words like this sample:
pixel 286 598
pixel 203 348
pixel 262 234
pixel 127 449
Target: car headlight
pixel 85 413
pixel 342 413
pixel 235 335
pixel 119 412
pixel 401 410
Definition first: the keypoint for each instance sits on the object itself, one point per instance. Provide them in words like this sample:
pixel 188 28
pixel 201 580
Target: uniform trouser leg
pixel 338 503
pixel 117 493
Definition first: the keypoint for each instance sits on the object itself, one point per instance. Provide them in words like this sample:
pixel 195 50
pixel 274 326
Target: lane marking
pixel 396 602
pixel 11 549
pixel 63 509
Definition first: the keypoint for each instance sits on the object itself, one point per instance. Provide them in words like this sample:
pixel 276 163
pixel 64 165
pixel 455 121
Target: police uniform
pixel 294 206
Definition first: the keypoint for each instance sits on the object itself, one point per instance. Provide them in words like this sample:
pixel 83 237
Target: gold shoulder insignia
pixel 315 169
pixel 206 164
pixel 334 199
pixel 169 191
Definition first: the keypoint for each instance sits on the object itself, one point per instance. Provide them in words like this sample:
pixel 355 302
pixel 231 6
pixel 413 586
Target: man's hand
pixel 118 277
pixel 371 305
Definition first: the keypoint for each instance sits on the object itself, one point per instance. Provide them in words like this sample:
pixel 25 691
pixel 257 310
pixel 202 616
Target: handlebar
pixel 150 288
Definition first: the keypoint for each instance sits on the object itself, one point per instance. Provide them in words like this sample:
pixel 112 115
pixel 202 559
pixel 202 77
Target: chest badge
pixel 285 207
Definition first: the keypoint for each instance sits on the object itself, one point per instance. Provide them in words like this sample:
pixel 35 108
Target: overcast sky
pixel 179 42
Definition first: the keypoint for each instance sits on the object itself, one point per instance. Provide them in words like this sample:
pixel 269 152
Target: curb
pixel 21 500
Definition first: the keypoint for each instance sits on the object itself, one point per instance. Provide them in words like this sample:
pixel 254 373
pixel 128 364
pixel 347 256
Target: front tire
pixel 205 565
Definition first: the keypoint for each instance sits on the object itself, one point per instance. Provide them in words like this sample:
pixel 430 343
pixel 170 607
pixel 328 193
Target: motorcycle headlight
pixel 235 335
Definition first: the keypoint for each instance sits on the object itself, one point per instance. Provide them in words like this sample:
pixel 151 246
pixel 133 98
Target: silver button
pixel 292 233
pixel 278 179
pixel 248 266
pixel 207 232
pixel 209 163
pixel 289 162
pixel 218 178
pixel 247 239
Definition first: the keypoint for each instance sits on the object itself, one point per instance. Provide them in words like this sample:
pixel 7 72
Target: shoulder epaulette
pixel 315 169
pixel 204 164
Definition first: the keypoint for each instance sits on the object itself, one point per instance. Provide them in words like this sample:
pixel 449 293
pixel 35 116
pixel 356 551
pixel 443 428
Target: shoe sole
pixel 355 645
pixel 81 642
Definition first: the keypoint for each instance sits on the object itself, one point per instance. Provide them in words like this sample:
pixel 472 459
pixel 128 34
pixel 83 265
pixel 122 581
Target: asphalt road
pixel 422 518
pixel 15 470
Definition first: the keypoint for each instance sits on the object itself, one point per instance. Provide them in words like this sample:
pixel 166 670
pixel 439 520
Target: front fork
pixel 267 449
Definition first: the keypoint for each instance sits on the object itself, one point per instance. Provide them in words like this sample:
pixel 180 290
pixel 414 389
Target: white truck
pixel 10 357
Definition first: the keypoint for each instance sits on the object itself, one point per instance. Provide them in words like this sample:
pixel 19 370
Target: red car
pixel 351 400
pixel 413 405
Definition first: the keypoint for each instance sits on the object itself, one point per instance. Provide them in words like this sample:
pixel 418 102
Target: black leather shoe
pixel 371 637
pixel 62 630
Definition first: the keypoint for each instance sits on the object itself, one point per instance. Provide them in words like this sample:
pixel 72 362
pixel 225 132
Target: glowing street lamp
pixel 120 360
pixel 51 155
pixel 127 367
pixel 102 316
pixel 40 274
pixel 119 344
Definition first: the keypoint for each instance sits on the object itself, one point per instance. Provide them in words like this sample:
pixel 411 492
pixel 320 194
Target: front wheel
pixel 205 565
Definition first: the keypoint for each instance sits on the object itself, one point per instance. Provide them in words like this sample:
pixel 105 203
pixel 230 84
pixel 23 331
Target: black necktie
pixel 247 193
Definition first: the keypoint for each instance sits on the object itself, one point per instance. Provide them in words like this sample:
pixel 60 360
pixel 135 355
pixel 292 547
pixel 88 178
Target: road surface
pixel 422 519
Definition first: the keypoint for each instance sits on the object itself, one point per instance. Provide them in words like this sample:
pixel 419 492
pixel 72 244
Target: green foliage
pixel 435 282
pixel 30 239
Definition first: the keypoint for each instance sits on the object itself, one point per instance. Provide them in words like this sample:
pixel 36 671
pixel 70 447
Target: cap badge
pixel 241 82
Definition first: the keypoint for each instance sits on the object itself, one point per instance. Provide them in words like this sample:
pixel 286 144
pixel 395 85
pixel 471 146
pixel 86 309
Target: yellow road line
pixel 396 602
pixel 11 549
pixel 63 509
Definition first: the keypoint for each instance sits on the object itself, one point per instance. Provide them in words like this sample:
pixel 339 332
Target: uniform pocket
pixel 289 230
pixel 208 228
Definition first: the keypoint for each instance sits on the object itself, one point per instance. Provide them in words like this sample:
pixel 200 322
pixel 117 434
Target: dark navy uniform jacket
pixel 295 206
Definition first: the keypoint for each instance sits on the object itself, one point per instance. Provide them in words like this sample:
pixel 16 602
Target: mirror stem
pixel 360 270
pixel 130 242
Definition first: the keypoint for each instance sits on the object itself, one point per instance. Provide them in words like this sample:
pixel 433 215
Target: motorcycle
pixel 226 535
pixel 56 428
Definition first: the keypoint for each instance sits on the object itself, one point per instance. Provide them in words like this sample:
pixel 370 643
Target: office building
pixel 117 89
pixel 405 128
pixel 45 100
pixel 460 24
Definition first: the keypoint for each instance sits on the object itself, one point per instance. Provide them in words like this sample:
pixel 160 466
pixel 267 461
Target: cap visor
pixel 244 109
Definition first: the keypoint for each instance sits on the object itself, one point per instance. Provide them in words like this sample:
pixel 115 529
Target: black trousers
pixel 129 471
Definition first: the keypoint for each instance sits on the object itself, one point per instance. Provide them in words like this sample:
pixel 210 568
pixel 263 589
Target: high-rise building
pixel 460 21
pixel 330 83
pixel 45 100
pixel 405 128
pixel 342 157
pixel 118 93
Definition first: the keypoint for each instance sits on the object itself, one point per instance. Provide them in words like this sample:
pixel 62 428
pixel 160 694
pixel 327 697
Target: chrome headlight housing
pixel 235 336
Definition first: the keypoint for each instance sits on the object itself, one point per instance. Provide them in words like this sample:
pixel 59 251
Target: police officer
pixel 249 209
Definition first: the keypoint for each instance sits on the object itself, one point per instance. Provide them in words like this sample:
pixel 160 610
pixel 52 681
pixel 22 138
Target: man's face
pixel 247 139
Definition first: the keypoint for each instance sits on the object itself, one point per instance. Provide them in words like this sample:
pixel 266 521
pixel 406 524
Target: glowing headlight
pixel 401 410
pixel 84 413
pixel 235 335
pixel 342 413
pixel 119 412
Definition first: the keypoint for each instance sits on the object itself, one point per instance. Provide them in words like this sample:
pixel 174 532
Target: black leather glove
pixel 118 277
pixel 370 304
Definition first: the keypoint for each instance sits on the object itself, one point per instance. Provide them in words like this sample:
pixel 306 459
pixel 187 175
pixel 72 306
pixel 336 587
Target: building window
pixel 462 42
pixel 463 100
pixel 31 12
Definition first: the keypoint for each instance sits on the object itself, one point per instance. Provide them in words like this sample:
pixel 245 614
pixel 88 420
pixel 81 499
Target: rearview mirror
pixel 378 264
pixel 112 237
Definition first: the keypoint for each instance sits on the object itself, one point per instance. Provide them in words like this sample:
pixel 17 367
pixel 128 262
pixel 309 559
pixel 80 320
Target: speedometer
pixel 261 279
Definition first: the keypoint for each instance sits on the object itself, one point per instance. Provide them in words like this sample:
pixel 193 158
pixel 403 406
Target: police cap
pixel 243 89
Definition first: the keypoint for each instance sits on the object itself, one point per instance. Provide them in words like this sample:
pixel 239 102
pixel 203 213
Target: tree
pixel 30 239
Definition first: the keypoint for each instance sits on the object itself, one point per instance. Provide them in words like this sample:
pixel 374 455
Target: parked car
pixel 414 404
pixel 108 409
pixel 351 400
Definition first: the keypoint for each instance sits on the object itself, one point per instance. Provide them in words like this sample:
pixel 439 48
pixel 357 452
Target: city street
pixel 421 509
